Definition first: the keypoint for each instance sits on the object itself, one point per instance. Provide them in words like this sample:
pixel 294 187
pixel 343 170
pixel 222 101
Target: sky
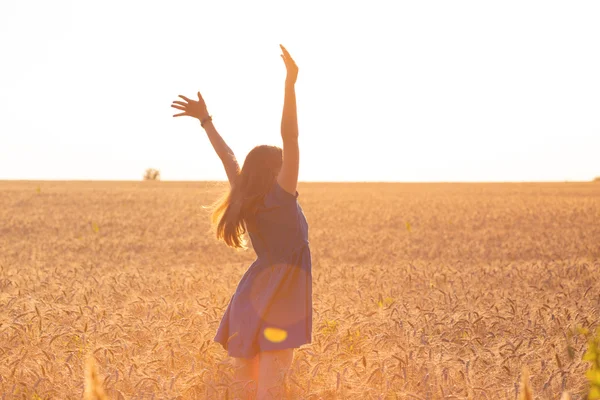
pixel 387 90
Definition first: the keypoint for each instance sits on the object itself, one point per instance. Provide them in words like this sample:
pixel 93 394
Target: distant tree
pixel 597 179
pixel 152 174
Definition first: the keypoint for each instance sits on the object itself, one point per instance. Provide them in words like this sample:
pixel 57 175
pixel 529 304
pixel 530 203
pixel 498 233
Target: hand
pixel 191 108
pixel 290 66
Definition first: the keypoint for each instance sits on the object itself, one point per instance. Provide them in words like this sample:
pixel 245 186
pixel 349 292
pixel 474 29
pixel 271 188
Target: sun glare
pixel 275 335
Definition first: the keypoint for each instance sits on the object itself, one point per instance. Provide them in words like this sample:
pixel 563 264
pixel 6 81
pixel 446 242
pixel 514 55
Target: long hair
pixel 235 214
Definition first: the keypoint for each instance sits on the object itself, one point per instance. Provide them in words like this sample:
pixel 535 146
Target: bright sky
pixel 387 91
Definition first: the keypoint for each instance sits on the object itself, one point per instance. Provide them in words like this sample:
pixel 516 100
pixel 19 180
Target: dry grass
pixel 420 291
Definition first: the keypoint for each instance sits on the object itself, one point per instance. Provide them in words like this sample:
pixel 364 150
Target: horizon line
pixel 593 180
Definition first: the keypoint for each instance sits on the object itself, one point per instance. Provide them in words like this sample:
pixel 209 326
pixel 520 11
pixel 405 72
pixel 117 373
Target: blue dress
pixel 271 308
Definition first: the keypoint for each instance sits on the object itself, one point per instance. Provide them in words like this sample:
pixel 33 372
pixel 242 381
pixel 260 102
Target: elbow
pixel 225 154
pixel 290 138
pixel 289 134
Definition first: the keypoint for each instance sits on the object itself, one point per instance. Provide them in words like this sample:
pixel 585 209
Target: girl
pixel 270 313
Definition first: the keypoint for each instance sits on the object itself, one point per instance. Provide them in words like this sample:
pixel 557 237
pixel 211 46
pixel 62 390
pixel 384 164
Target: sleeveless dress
pixel 271 308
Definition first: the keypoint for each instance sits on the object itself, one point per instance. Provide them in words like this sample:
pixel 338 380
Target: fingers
pixel 290 64
pixel 287 61
pixel 187 106
pixel 287 53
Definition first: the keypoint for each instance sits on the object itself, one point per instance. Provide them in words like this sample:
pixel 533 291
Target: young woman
pixel 270 313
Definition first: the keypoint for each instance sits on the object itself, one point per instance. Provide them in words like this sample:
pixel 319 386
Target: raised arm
pixel 232 168
pixel 197 109
pixel 288 176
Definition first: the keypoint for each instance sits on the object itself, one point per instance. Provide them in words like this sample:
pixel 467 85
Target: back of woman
pixel 282 228
pixel 272 306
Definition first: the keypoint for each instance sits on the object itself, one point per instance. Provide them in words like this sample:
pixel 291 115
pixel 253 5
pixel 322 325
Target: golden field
pixel 421 291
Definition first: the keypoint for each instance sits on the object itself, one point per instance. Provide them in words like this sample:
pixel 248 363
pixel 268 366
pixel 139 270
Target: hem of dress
pixel 253 354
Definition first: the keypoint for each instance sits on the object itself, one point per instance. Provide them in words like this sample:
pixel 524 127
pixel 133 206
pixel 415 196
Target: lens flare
pixel 275 335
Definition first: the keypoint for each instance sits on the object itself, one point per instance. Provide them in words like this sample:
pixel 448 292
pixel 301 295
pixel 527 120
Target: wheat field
pixel 421 291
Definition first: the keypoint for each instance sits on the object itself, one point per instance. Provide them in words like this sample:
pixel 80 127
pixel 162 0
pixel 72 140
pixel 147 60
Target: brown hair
pixel 235 214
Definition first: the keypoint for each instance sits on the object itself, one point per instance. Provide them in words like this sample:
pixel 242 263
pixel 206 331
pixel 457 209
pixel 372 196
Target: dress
pixel 271 308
